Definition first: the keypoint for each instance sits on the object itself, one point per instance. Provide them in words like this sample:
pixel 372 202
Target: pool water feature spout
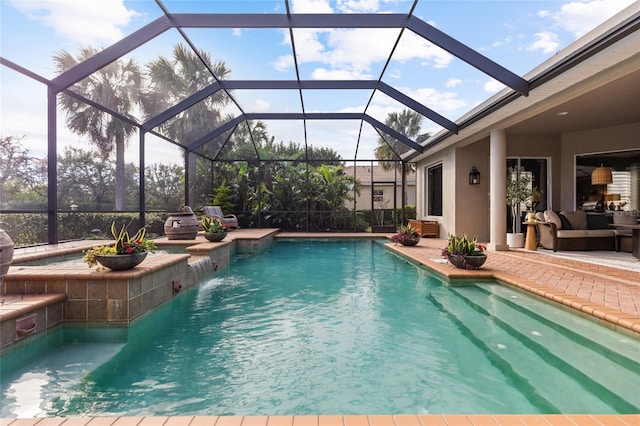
pixel 26 325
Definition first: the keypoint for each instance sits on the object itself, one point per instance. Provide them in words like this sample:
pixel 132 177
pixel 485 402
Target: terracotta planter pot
pixel 121 262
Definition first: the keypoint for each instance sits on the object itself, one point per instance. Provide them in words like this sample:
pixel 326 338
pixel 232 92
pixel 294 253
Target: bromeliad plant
pixel 124 244
pixel 463 246
pixel 405 232
pixel 213 225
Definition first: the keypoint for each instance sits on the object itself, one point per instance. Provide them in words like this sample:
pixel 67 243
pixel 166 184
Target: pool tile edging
pixel 335 420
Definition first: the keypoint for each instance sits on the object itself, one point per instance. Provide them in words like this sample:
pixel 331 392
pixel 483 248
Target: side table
pixel 530 243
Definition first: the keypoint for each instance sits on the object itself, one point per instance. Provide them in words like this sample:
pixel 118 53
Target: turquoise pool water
pixel 335 328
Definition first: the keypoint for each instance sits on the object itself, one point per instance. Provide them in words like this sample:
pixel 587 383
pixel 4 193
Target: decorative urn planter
pixel 214 237
pixel 182 225
pixel 515 240
pixel 121 262
pixel 6 254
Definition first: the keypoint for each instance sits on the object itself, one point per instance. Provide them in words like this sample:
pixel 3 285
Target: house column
pixel 498 190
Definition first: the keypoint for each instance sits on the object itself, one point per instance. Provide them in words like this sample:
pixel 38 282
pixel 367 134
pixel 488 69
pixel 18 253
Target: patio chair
pixel 230 220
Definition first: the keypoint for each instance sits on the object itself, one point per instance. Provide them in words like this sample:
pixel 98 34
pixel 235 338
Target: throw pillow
pixel 578 218
pixel 565 222
pixel 551 216
pixel 598 221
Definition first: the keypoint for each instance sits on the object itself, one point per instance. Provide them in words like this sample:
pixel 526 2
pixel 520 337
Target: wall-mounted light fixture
pixel 474 176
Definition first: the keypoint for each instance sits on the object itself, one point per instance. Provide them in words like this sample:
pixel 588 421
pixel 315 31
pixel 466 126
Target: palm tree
pixel 408 123
pixel 173 80
pixel 115 86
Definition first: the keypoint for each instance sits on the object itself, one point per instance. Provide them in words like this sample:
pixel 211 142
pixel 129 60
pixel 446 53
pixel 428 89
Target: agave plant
pixel 463 246
pixel 124 244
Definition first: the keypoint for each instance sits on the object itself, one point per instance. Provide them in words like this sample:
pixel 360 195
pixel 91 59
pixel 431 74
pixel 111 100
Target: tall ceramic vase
pixel 6 254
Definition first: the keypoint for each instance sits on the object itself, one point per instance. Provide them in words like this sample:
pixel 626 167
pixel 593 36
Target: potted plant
pixel 126 253
pixel 464 252
pixel 214 230
pixel 519 190
pixel 406 235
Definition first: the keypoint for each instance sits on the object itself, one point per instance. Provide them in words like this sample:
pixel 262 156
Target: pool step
pixel 25 315
pixel 524 360
pixel 585 353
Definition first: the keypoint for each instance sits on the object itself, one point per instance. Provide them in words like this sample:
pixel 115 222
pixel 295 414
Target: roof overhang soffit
pixel 416 25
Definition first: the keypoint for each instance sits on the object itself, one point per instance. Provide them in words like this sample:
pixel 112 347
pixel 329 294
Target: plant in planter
pixel 214 230
pixel 464 252
pixel 519 190
pixel 126 253
pixel 406 235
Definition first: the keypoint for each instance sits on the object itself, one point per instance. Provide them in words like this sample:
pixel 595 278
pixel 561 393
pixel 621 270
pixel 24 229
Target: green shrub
pixel 28 229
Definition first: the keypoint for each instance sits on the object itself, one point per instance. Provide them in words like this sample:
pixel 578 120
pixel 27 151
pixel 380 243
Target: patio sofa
pixel 579 230
pixel 575 230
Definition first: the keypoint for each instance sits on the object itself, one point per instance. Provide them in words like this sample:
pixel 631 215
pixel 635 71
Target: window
pixel 434 190
pixel 623 193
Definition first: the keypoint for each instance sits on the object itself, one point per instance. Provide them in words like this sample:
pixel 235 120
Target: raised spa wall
pixel 34 299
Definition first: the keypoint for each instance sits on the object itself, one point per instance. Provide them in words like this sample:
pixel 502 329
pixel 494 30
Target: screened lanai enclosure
pixel 266 108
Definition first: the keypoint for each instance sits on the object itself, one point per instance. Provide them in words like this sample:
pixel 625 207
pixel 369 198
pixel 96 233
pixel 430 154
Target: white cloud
pixel 358 6
pixel 546 41
pixel 394 73
pixel 339 74
pixel 354 52
pixel 503 42
pixel 80 21
pixel 453 82
pixel 260 105
pixel 412 46
pixel 283 63
pixel 442 102
pixel 493 86
pixel 580 17
pixel 311 6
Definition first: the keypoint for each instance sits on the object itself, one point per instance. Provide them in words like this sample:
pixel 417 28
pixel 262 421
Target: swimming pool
pixel 336 328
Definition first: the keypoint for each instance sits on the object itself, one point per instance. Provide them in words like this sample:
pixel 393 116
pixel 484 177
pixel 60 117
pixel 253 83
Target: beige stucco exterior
pixel 385 180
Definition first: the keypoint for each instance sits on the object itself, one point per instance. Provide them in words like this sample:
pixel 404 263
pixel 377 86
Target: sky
pixel 517 34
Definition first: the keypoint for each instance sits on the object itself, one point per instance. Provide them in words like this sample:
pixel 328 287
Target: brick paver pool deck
pixel 607 294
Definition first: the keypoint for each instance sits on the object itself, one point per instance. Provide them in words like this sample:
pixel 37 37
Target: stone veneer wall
pixel 48 314
pixel 114 298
